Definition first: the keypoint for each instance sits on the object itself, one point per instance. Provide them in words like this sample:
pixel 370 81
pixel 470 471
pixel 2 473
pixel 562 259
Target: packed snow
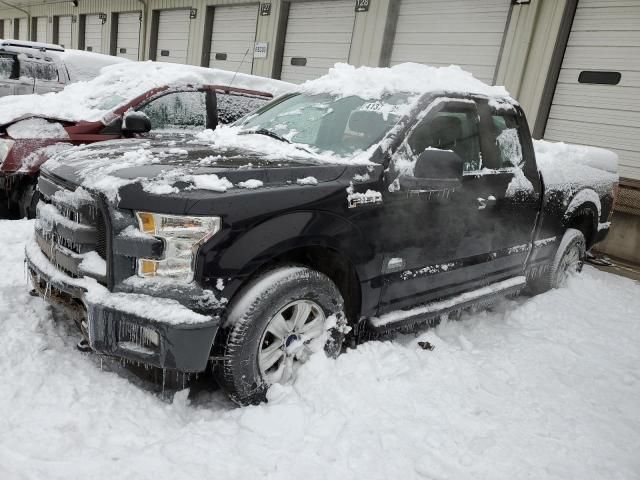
pixel 544 387
pixel 119 84
pixel 37 128
pixel 83 66
pixel 372 82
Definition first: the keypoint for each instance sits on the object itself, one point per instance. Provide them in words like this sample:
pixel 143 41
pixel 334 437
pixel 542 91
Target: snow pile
pixel 37 128
pixel 542 387
pixel 118 85
pixel 372 83
pixel 307 181
pixel 251 184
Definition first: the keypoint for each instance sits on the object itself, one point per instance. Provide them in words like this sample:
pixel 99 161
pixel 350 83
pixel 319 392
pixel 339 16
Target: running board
pixel 424 313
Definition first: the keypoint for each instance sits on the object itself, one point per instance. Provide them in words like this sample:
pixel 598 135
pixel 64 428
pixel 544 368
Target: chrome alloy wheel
pixel 293 334
pixel 570 264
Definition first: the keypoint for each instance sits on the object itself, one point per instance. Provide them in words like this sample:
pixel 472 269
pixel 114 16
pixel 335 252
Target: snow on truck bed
pixel 120 83
pixel 544 387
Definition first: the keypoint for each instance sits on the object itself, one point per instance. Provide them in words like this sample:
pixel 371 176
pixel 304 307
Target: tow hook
pixel 83 346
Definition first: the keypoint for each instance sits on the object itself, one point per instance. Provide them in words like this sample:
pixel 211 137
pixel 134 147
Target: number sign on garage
pixel 232 38
pixel 597 97
pixel 468 33
pixel 318 35
pixel 173 36
pixel 128 35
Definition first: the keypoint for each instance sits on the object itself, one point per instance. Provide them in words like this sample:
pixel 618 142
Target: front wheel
pixel 568 260
pixel 274 325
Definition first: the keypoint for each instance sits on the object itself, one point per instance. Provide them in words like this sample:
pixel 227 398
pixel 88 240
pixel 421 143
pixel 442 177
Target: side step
pixel 422 314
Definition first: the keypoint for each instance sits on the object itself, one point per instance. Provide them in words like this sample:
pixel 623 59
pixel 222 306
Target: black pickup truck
pixel 318 221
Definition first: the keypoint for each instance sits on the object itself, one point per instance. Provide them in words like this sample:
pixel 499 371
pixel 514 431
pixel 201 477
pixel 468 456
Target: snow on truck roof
pixel 375 82
pixel 120 83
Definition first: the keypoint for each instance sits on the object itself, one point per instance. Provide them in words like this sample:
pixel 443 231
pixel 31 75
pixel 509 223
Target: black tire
pixel 572 245
pixel 251 315
pixel 29 198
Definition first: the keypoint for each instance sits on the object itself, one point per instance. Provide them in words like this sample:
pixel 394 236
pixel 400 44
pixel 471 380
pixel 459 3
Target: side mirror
pixel 135 122
pixel 434 170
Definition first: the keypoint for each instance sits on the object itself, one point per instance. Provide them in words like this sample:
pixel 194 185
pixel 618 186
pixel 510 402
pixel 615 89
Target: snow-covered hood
pixel 182 168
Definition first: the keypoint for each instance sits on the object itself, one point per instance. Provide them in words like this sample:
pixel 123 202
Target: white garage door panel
pixel 22 29
pixel 604 36
pixel 41 29
pixel 234 32
pixel 128 39
pixel 173 35
pixel 93 34
pixel 64 31
pixel 320 32
pixel 465 32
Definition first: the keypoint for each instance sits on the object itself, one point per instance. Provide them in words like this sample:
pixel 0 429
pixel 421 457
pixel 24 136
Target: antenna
pixel 238 69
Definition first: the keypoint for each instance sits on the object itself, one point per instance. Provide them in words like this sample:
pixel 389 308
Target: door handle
pixel 483 203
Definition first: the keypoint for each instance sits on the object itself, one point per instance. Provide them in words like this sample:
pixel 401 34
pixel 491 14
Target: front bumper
pixel 113 329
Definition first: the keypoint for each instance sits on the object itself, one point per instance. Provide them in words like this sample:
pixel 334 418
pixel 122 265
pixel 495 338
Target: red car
pixel 127 100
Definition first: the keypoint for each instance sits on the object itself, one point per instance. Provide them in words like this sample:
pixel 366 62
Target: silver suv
pixel 34 67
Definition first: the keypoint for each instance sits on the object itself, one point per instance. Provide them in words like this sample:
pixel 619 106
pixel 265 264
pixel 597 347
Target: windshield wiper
pixel 268 133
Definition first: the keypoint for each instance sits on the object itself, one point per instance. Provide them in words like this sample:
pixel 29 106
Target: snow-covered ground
pixel 545 387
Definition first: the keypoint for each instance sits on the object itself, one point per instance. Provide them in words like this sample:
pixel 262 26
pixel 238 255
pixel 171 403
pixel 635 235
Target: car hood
pixel 172 175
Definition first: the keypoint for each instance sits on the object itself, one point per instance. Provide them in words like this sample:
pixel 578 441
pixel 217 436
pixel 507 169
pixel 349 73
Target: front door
pixel 440 243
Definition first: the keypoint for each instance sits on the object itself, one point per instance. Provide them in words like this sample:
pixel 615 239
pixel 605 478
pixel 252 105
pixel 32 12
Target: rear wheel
pixel 568 260
pixel 276 323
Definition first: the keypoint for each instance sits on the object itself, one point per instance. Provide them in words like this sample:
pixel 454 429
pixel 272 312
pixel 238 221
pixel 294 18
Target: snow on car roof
pixel 83 66
pixel 374 82
pixel 120 83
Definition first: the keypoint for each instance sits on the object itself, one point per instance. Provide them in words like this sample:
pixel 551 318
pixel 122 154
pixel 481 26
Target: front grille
pixel 69 225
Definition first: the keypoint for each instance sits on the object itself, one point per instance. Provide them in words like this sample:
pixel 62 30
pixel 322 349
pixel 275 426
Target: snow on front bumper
pixel 143 328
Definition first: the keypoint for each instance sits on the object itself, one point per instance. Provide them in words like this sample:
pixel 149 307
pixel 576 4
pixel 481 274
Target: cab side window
pixel 454 127
pixel 177 110
pixel 507 141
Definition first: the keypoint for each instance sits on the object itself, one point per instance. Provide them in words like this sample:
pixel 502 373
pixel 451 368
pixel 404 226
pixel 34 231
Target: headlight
pixel 182 237
pixel 5 148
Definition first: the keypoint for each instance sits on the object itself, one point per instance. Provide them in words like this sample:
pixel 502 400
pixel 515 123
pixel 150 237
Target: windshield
pixel 341 125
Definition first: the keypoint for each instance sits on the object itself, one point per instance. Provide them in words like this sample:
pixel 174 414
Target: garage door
pixel 64 31
pixel 597 98
pixel 318 35
pixel 41 29
pixel 93 34
pixel 442 32
pixel 233 37
pixel 173 36
pixel 22 29
pixel 128 35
